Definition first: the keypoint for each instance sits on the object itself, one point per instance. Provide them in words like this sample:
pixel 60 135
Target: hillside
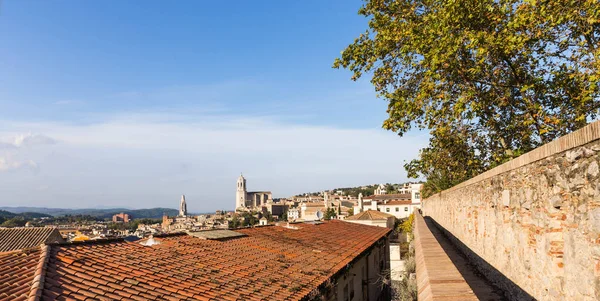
pixel 99 213
pixel 23 216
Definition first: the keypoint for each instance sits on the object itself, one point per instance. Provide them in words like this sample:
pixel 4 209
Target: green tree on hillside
pixel 495 78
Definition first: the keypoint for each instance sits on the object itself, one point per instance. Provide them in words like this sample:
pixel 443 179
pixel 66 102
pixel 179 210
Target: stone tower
pixel 240 194
pixel 360 203
pixel 182 206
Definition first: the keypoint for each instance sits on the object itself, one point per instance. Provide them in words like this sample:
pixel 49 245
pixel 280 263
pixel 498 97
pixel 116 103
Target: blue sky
pixel 132 103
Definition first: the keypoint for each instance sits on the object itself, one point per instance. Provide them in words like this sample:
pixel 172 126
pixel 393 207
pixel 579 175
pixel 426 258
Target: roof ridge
pixel 37 285
pixel 89 242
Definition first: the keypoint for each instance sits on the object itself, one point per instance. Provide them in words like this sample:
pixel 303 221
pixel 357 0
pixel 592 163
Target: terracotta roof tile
pixel 380 197
pixel 17 272
pixel 370 215
pixel 399 202
pixel 24 238
pixel 268 263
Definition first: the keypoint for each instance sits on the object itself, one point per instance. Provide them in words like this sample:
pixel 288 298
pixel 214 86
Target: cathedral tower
pixel 182 206
pixel 240 195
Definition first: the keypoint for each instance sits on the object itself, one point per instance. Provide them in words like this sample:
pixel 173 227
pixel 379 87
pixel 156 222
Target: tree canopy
pixel 488 79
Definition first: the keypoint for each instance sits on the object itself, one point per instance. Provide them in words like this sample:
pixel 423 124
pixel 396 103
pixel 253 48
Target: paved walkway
pixel 443 273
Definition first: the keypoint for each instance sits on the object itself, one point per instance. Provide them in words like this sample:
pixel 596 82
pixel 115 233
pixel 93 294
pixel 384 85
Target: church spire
pixel 182 206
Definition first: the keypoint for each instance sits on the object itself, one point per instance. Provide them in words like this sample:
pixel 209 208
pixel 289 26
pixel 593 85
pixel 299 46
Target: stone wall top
pixel 580 137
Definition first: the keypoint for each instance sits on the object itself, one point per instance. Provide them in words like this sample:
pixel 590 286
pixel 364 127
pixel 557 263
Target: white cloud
pixel 32 140
pixel 147 160
pixel 7 164
pixel 15 151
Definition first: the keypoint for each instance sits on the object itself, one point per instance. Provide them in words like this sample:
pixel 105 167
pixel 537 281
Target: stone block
pixel 506 198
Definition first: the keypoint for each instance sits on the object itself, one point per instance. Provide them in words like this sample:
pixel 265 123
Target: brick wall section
pixel 437 277
pixel 534 220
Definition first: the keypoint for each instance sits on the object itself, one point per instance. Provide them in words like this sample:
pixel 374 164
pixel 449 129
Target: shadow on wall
pixel 510 289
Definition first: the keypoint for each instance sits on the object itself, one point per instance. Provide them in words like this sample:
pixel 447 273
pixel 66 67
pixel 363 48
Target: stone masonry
pixel 535 219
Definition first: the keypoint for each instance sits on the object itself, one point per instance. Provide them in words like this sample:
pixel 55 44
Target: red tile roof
pixel 270 263
pixel 21 273
pixel 399 202
pixel 399 196
pixel 370 215
pixel 23 238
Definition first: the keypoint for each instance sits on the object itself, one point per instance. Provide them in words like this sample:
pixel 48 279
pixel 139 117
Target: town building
pixel 381 219
pixel 121 218
pixel 373 218
pixel 183 221
pixel 330 260
pixel 400 205
pixel 380 190
pixel 253 200
pixel 293 214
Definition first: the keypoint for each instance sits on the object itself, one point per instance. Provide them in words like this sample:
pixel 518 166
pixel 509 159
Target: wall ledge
pixel 585 135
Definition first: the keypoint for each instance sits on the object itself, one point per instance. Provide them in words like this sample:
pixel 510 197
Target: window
pixel 405 208
pixel 397 209
pixel 387 209
pixel 417 195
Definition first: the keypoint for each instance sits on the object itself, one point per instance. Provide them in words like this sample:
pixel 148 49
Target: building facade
pixel 400 205
pixel 121 218
pixel 245 200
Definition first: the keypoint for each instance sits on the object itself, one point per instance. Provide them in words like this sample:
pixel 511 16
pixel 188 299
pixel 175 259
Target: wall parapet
pixel 535 220
pixel 585 135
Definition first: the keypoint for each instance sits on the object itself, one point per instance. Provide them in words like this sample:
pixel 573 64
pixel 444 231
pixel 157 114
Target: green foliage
pixel 79 219
pixel 354 191
pixel 17 221
pixel 407 225
pixel 235 222
pixel 351 212
pixel 489 79
pixel 249 219
pixel 100 213
pixel 330 213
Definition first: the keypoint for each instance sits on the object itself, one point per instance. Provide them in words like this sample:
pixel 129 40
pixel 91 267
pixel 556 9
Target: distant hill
pixel 100 213
pixel 24 216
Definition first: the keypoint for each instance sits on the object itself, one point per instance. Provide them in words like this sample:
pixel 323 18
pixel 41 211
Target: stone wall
pixel 532 225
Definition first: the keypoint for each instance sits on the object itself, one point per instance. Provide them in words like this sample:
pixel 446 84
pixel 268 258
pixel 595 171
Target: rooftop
pixel 23 238
pixel 269 263
pixel 370 215
pixel 398 196
pixel 216 234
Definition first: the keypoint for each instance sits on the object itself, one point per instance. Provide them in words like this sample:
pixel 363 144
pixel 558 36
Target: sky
pixel 133 103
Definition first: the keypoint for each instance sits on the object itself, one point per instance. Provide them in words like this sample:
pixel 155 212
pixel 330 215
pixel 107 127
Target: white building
pixel 399 205
pixel 380 190
pixel 293 214
pixel 373 218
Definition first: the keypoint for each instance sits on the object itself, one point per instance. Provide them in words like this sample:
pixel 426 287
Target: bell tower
pixel 240 195
pixel 182 206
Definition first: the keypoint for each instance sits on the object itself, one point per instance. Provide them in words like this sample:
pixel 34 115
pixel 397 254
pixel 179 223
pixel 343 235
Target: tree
pixel 235 222
pixel 330 214
pixel 497 77
pixel 351 212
